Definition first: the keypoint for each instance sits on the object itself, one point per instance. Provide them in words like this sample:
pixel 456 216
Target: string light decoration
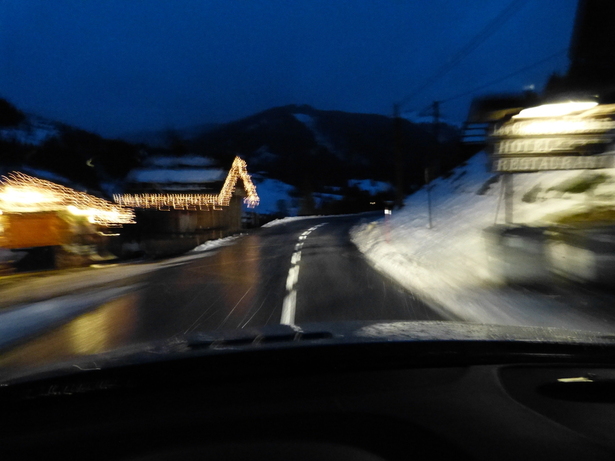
pixel 164 202
pixel 21 193
pixel 239 169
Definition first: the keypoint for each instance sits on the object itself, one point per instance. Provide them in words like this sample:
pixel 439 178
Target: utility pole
pixel 399 157
pixel 436 123
pixel 432 170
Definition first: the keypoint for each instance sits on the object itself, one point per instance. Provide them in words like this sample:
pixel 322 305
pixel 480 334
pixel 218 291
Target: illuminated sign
pixel 550 145
pixel 554 127
pixel 568 162
pixel 564 136
pixel 556 109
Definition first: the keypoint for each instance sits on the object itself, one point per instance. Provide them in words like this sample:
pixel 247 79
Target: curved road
pixel 248 284
pixel 299 272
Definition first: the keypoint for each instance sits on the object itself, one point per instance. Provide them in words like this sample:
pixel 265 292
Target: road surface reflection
pixel 219 291
pixel 104 329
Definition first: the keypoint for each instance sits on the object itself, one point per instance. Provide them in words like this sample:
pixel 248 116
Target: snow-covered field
pixel 448 265
pixel 274 196
pixel 279 198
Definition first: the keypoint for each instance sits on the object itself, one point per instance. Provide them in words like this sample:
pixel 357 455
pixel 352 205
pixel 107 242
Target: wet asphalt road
pixel 299 272
pixel 246 284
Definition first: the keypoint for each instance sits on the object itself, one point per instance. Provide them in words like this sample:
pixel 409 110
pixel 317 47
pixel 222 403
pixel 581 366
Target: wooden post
pixel 428 186
pixel 399 156
pixel 508 198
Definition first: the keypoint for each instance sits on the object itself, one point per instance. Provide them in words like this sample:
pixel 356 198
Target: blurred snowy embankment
pixel 448 265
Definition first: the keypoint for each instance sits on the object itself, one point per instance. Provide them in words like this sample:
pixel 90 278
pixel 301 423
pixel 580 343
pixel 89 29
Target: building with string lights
pixel 182 201
pixel 69 227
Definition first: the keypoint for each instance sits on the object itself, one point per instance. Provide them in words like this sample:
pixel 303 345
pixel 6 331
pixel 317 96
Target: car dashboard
pixel 381 400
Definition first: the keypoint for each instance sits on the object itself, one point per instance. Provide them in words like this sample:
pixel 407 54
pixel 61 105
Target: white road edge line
pixel 293 276
pixel 289 305
pixel 288 308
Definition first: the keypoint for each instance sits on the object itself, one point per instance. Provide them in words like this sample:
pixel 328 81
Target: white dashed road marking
pixel 290 301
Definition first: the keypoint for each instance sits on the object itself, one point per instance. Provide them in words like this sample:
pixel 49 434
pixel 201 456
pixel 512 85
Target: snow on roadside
pixel 448 265
pixel 213 244
pixel 277 222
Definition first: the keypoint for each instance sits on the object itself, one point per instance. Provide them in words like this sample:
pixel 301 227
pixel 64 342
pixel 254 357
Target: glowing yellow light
pixel 238 170
pixel 580 379
pixel 25 196
pixel 566 125
pixel 165 202
pixel 556 110
pixel 22 193
pixel 177 201
pixel 78 212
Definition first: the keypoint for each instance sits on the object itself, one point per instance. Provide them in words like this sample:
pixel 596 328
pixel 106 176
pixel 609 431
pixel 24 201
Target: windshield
pixel 180 168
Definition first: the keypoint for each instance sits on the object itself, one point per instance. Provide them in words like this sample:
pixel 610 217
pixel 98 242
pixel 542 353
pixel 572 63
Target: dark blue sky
pixel 115 66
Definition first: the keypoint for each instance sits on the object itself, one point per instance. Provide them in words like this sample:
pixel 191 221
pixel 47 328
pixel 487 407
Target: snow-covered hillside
pixel 319 137
pixel 369 185
pixel 449 266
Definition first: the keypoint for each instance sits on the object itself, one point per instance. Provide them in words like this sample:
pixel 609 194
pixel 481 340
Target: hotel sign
pixel 570 142
pixel 506 164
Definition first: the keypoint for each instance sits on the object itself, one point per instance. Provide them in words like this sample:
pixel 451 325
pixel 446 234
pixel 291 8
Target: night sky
pixel 116 66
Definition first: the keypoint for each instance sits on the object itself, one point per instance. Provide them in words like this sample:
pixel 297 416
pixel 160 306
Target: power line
pixel 483 35
pixel 493 82
pixel 512 74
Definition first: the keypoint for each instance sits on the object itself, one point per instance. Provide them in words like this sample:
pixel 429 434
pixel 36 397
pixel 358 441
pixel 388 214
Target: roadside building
pixel 69 227
pixel 182 201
